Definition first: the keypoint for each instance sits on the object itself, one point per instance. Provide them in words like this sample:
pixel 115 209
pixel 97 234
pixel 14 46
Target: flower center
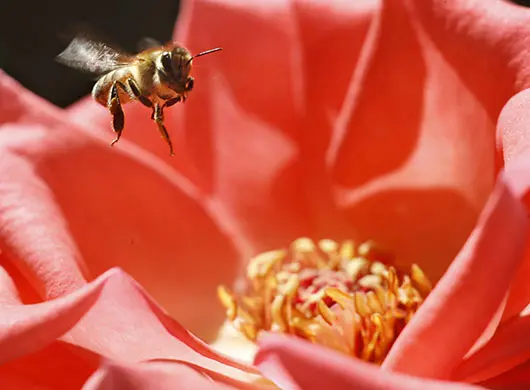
pixel 341 296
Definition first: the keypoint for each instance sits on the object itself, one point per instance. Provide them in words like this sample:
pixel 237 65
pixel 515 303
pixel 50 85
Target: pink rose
pixel 362 120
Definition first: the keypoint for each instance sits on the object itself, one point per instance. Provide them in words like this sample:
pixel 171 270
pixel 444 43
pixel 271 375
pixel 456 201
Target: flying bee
pixel 158 77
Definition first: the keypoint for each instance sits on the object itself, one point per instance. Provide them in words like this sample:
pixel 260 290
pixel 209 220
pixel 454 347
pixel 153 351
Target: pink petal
pixel 467 297
pixel 480 39
pixel 283 183
pixel 514 122
pixel 413 146
pixel 8 290
pixel 141 330
pixel 88 320
pixel 30 355
pixel 14 285
pixel 509 347
pixel 115 376
pixel 73 207
pixel 58 366
pixel 515 379
pixel 332 37
pixel 235 115
pixel 296 364
pixel 27 328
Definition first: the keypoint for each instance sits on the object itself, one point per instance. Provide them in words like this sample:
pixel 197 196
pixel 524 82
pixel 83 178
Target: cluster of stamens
pixel 342 296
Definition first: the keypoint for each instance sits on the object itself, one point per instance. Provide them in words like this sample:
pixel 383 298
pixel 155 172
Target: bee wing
pixel 93 56
pixel 146 43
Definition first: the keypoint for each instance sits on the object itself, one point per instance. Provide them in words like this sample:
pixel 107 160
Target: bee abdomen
pixel 101 89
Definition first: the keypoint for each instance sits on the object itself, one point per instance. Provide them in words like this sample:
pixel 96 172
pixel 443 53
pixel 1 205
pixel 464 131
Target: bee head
pixel 175 66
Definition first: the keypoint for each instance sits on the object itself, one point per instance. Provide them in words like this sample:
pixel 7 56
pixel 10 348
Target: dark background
pixel 32 34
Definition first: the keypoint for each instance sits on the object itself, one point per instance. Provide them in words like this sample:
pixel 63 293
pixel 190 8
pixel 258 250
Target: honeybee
pixel 158 77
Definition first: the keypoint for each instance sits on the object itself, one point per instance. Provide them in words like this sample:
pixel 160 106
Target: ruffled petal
pixel 85 324
pixel 113 376
pixel 508 348
pixel 485 42
pixel 332 37
pixel 25 329
pixel 31 356
pixel 296 364
pixel 140 330
pixel 480 39
pixel 476 279
pixel 515 379
pixel 413 148
pixel 513 125
pixel 73 207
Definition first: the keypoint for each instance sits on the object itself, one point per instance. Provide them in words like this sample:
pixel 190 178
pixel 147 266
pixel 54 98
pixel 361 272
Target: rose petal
pixel 58 366
pixel 15 287
pixel 8 291
pixel 27 328
pixel 513 124
pixel 140 330
pixel 515 379
pixel 468 295
pixel 149 376
pixel 480 39
pixel 90 320
pixel 411 167
pixel 332 36
pixel 31 357
pixel 296 364
pixel 235 114
pixel 509 347
pixel 64 192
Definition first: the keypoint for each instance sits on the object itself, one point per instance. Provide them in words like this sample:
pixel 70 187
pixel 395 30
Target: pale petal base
pixel 232 343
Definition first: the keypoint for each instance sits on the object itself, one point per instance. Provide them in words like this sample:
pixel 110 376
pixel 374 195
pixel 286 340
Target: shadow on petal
pixel 516 379
pixel 508 348
pixel 58 366
pixel 476 279
pixel 383 109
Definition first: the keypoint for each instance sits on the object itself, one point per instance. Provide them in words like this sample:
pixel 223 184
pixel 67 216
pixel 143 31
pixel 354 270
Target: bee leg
pixel 114 106
pixel 135 89
pixel 170 102
pixel 158 117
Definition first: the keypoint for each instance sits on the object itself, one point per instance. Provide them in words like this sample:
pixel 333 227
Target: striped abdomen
pixel 101 89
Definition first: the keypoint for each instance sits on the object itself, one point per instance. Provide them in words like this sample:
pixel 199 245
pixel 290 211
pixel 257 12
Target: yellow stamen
pixel 340 295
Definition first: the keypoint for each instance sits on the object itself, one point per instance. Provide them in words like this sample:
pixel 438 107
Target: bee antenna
pixel 203 53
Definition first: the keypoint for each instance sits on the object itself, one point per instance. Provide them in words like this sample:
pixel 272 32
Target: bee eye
pixel 166 62
pixel 189 84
